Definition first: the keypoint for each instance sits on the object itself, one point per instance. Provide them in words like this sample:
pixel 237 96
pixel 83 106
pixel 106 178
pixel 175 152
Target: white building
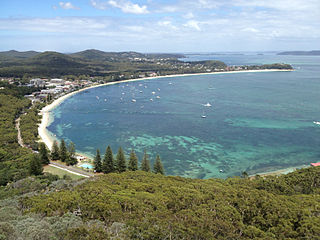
pixel 37 82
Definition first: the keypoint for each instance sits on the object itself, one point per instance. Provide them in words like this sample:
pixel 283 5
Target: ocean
pixel 257 122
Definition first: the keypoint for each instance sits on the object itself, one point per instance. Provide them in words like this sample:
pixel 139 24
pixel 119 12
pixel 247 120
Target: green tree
pixel 145 163
pixel 43 151
pixel 55 155
pixel 97 162
pixel 158 167
pixel 35 166
pixel 121 161
pixel 63 151
pixel 71 154
pixel 133 161
pixel 108 161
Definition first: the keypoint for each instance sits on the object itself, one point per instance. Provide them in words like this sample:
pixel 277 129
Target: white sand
pixel 47 118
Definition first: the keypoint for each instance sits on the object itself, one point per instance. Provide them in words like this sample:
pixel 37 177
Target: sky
pixel 160 26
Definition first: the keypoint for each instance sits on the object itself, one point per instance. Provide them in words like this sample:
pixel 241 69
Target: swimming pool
pixel 86 165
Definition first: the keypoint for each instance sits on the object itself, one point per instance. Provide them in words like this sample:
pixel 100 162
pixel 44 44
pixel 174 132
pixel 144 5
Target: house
pixel 57 81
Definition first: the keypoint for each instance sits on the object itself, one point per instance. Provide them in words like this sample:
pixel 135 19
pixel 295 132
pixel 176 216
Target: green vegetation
pixel 133 161
pixel 108 161
pixel 35 167
pixel 97 162
pixel 121 165
pixel 158 167
pixel 14 160
pixel 55 153
pixel 145 163
pixel 152 206
pixel 29 126
pixel 44 155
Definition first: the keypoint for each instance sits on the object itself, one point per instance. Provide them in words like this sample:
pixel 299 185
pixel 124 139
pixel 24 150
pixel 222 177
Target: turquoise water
pixel 257 122
pixel 86 165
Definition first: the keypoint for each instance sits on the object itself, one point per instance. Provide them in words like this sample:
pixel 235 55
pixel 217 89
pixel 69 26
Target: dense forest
pixel 141 205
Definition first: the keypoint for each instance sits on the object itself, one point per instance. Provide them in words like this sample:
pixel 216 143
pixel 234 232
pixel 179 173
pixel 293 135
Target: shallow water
pixel 258 122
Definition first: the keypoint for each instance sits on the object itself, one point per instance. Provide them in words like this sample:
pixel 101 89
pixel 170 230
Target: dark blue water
pixel 257 122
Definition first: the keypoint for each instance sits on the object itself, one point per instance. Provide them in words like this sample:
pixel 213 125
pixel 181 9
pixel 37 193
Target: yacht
pixel 207 105
pixel 133 100
pixel 158 97
pixel 318 123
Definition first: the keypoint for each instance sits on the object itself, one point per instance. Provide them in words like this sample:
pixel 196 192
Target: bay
pixel 257 122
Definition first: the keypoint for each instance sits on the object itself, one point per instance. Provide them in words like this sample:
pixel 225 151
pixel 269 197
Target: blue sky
pixel 160 26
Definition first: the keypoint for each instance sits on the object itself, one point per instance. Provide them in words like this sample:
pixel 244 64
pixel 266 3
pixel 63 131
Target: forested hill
pixel 108 66
pixel 149 206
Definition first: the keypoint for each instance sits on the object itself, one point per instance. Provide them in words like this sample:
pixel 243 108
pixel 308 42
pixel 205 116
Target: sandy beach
pixel 48 138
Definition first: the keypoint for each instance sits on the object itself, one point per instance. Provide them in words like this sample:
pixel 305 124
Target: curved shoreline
pixel 47 137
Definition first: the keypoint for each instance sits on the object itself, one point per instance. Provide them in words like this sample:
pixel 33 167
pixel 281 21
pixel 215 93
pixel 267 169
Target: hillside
pixel 12 54
pixel 149 206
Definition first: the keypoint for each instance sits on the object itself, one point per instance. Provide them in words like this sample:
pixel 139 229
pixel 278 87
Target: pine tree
pixel 145 163
pixel 43 152
pixel 63 151
pixel 158 167
pixel 121 161
pixel 133 161
pixel 35 166
pixel 97 162
pixel 71 154
pixel 108 161
pixel 55 155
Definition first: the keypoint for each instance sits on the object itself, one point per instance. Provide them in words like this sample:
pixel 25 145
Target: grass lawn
pixel 60 173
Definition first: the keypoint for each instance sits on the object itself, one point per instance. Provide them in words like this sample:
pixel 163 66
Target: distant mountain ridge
pixel 301 53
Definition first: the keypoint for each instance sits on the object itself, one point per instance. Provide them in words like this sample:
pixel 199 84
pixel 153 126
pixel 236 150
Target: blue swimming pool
pixel 86 165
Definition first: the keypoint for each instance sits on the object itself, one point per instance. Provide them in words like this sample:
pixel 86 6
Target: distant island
pixel 109 66
pixel 301 53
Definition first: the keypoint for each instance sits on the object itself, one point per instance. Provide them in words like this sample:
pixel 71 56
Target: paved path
pixel 71 169
pixel 20 140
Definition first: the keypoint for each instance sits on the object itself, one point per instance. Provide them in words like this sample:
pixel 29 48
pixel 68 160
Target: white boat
pixel 97 97
pixel 318 123
pixel 158 89
pixel 170 83
pixel 105 99
pixel 133 100
pixel 151 99
pixel 158 97
pixel 203 116
pixel 153 93
pixel 207 105
pixel 123 93
pixel 141 92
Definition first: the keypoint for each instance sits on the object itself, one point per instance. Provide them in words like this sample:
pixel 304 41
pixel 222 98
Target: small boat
pixel 221 170
pixel 140 85
pixel 318 123
pixel 97 97
pixel 158 97
pixel 123 93
pixel 203 116
pixel 153 93
pixel 207 105
pixel 170 83
pixel 151 99
pixel 105 99
pixel 133 100
pixel 141 92
pixel 145 87
pixel 158 89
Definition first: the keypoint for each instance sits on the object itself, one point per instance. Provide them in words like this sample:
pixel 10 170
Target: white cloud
pixel 67 6
pixel 99 5
pixel 193 24
pixel 129 7
pixel 189 15
pixel 167 24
